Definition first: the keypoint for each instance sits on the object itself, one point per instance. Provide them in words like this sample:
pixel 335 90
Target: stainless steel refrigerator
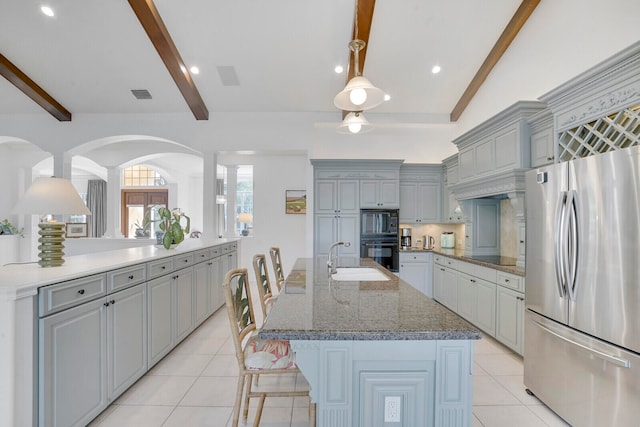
pixel 582 318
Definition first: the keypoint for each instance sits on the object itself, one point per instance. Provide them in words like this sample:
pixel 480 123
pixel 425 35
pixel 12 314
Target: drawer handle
pixel 81 291
pixel 506 280
pixel 106 304
pixel 473 281
pixel 520 298
pixel 176 276
pixel 521 241
pixel 112 301
pixel 131 277
pixel 442 269
pixel 186 260
pixel 209 263
pixel 163 267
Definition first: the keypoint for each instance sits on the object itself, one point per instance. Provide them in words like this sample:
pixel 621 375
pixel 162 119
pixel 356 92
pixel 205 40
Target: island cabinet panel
pixel 160 300
pixel 351 381
pixel 73 368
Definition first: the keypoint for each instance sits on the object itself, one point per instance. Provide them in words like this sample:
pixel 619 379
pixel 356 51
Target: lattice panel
pixel 613 132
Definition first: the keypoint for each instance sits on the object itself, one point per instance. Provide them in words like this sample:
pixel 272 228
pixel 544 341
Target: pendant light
pixel 353 123
pixel 359 94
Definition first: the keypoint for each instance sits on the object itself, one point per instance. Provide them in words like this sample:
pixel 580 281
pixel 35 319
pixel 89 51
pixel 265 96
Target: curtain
pixel 97 204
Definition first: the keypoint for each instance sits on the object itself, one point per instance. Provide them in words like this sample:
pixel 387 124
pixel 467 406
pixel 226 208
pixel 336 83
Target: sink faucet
pixel 345 243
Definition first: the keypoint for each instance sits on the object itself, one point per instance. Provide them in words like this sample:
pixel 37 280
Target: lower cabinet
pixel 89 354
pixel 161 338
pixel 445 287
pixel 184 310
pixel 510 322
pixel 417 270
pixel 201 289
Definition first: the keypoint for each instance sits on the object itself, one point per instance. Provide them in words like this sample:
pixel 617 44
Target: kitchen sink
pixel 359 274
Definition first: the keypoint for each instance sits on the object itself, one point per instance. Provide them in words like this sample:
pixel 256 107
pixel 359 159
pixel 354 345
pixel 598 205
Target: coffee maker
pixel 405 238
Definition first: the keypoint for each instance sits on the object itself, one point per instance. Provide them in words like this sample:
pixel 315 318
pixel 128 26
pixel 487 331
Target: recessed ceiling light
pixel 195 70
pixel 387 97
pixel 436 69
pixel 47 10
pixel 338 69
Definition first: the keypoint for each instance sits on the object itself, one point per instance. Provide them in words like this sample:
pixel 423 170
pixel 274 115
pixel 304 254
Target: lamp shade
pixel 373 96
pixel 245 217
pixel 51 196
pixel 354 123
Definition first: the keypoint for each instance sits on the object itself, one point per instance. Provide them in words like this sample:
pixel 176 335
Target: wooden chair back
pixel 276 260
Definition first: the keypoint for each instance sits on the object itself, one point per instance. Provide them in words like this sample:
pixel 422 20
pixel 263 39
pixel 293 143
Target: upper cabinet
pixel 336 196
pixel 492 155
pixel 421 193
pixel 381 192
pixel 451 211
pixel 542 138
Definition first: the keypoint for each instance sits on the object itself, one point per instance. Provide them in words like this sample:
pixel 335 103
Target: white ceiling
pixel 93 52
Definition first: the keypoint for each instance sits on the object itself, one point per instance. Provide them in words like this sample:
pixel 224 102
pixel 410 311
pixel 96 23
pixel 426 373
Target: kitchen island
pixel 375 352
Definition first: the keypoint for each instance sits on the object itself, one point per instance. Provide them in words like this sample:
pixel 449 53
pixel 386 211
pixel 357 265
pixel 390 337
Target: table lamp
pixel 51 196
pixel 245 218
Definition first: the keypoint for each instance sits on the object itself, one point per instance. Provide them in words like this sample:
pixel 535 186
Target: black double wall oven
pixel 379 237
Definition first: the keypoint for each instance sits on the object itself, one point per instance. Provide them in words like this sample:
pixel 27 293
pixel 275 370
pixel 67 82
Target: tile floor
pixel 195 386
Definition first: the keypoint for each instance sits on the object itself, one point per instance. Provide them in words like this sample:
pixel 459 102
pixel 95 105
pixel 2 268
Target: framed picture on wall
pixel 296 201
pixel 76 229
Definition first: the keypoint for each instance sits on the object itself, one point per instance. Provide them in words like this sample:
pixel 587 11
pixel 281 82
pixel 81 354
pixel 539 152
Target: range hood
pixel 504 184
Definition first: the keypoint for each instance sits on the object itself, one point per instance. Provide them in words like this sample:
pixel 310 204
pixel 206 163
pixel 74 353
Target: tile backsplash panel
pixel 508 231
pixel 435 230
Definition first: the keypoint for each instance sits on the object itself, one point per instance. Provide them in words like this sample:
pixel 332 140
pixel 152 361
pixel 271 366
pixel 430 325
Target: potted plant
pixel 171 224
pixel 142 229
pixel 7 228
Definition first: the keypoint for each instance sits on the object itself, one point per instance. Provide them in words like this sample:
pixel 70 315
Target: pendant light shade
pixel 353 123
pixel 359 95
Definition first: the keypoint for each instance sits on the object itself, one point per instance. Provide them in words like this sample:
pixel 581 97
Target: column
pixel 232 199
pixel 209 189
pixel 113 202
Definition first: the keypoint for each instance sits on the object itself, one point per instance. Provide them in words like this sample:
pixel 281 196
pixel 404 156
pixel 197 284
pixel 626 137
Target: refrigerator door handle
pixel 623 363
pixel 572 245
pixel 559 245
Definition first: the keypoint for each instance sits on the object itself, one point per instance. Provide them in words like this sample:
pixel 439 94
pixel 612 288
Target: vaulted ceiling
pixel 253 56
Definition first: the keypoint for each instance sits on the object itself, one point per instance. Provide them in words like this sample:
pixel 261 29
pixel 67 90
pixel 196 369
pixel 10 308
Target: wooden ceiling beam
pixel 27 86
pixel 152 23
pixel 510 32
pixel 363 17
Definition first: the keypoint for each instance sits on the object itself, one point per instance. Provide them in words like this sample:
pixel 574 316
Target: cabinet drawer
pixel 466 268
pixel 511 281
pixel 159 268
pixel 201 255
pixel 183 261
pixel 485 273
pixel 62 296
pixel 448 262
pixel 414 257
pixel 125 277
pixel 216 251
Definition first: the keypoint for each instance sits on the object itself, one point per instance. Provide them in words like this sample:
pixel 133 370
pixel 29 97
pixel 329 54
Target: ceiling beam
pixel 510 32
pixel 362 23
pixel 32 90
pixel 152 23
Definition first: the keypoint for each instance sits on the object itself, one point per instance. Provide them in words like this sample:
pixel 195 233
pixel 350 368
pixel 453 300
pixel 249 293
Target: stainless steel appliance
pixel 379 222
pixel 379 237
pixel 405 238
pixel 428 242
pixel 582 324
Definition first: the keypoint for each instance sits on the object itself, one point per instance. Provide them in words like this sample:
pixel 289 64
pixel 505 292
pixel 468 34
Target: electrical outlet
pixel 392 409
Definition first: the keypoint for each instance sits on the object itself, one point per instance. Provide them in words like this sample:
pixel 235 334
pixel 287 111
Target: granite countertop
pixel 314 307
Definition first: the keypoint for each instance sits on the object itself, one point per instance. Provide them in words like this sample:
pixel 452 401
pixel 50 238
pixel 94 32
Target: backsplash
pixel 435 230
pixel 508 231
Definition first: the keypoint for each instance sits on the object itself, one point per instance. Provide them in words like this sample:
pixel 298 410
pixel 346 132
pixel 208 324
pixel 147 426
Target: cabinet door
pixel 408 202
pixel 348 201
pixel 183 285
pixel 485 156
pixel 468 238
pixel 542 148
pixel 160 314
pixel 73 366
pixel 126 338
pixel 507 150
pixel 415 273
pixel 466 164
pixel 510 318
pixel 216 290
pixel 467 297
pixel 326 196
pixel 486 306
pixel 438 283
pixel 348 229
pixel 429 202
pixel 389 197
pixel 450 288
pixel 325 233
pixel 201 289
pixel 368 193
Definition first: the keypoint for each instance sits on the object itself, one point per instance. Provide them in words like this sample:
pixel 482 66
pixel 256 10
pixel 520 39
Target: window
pixel 142 176
pixel 244 200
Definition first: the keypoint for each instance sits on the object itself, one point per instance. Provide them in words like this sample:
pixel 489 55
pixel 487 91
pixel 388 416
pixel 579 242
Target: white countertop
pixel 22 280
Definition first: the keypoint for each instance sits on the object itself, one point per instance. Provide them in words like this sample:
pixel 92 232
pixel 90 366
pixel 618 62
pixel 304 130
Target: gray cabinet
pixel 445 282
pixel 417 269
pixel 331 228
pixel 160 314
pixel 482 230
pixel 72 349
pixel 421 193
pixel 510 311
pixel 542 138
pixel 379 193
pixel 201 289
pixel 184 297
pixel 337 196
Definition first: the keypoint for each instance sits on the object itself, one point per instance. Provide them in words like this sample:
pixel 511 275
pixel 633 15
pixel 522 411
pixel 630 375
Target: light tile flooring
pixel 195 386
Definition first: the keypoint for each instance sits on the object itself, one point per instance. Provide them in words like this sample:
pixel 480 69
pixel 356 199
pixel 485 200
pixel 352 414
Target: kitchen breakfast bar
pixel 375 351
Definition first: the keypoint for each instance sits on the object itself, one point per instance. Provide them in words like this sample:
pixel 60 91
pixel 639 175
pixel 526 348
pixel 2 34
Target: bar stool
pixel 255 355
pixel 274 252
pixel 264 284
